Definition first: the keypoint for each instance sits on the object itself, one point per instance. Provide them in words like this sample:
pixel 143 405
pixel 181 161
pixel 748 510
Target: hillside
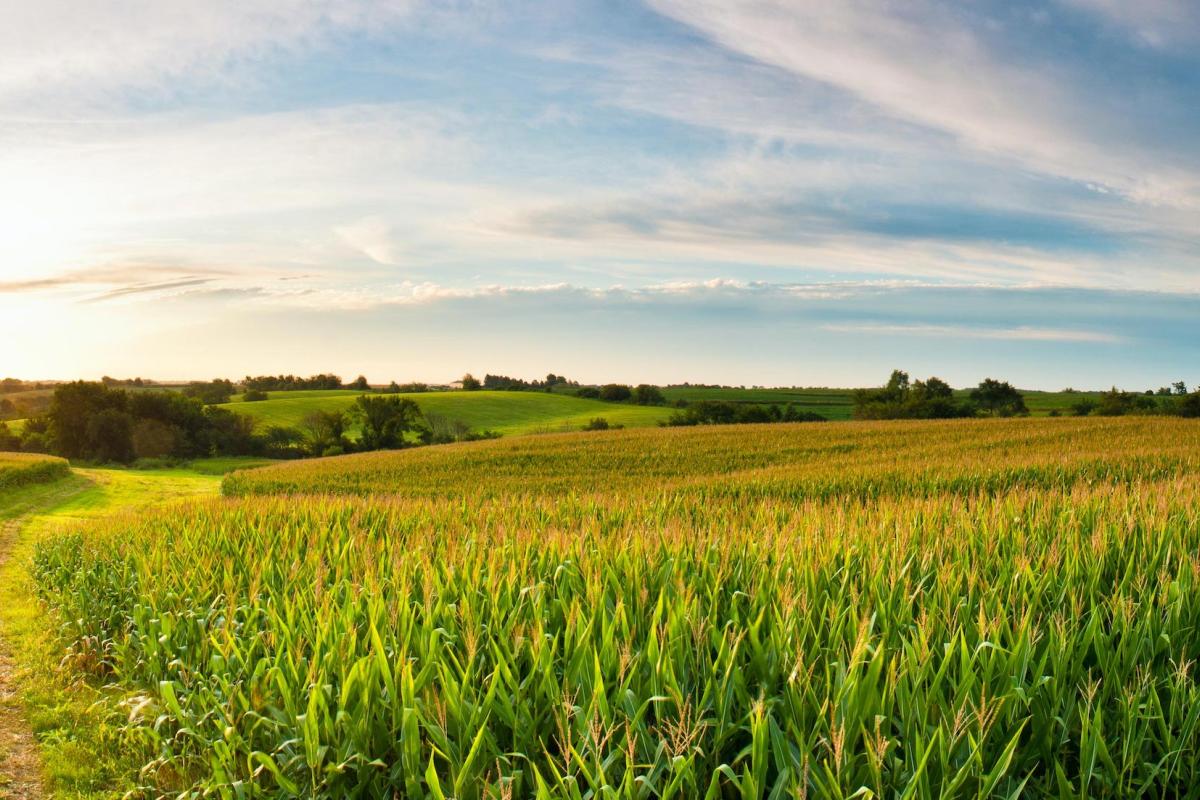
pixel 507 413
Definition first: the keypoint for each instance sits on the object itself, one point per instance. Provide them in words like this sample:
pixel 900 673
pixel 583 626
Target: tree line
pixel 933 398
pixel 94 422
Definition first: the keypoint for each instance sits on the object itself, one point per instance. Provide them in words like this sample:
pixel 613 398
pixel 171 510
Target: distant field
pixel 838 404
pixel 508 413
pixel 830 403
pixel 970 608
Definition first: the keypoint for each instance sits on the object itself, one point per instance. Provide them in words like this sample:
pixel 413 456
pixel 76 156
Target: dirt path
pixel 20 766
pixel 87 494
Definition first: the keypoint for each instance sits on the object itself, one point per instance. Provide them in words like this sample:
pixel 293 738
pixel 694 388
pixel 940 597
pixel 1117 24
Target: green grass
pixel 508 413
pixel 79 724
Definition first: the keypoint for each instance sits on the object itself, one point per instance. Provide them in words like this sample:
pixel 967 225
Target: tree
pixel 281 441
pixel 1180 388
pixel 998 399
pixel 901 399
pixel 1083 407
pixel 325 429
pixel 1189 406
pixel 110 436
pixel 647 395
pixel 71 411
pixel 385 420
pixel 229 433
pixel 211 393
pixel 8 439
pixel 470 383
pixel 360 383
pixel 615 393
pixel 154 439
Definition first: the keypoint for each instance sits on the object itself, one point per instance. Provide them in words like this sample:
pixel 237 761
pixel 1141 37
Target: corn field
pixel 916 610
pixel 19 469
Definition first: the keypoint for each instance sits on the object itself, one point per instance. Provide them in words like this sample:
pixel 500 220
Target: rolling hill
pixel 508 413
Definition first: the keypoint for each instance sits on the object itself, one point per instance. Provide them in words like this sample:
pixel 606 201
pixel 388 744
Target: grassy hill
pixel 516 413
pixel 508 413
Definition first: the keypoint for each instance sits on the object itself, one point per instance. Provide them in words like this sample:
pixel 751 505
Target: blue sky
pixel 795 193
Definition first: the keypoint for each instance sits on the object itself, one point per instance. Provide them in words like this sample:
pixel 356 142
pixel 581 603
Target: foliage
pixel 470 383
pixel 717 412
pixel 326 430
pixel 211 393
pixel 1189 405
pixel 900 399
pixel 507 384
pixel 254 396
pixel 965 609
pixel 646 395
pixel 1116 403
pixel 615 393
pixel 275 383
pixel 998 399
pixel 385 420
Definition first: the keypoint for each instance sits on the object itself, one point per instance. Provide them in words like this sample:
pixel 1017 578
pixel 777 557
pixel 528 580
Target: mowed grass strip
pixel 684 615
pixel 508 413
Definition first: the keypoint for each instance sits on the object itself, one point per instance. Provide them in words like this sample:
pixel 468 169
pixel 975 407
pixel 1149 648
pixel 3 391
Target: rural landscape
pixel 1001 603
pixel 600 400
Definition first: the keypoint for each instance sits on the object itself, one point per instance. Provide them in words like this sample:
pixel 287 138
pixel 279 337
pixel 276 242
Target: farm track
pixel 20 766
pixel 86 493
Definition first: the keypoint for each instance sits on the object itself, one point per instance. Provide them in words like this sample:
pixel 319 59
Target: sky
pixel 752 192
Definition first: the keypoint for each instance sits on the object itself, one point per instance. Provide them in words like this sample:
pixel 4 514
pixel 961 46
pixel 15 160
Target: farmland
pixel 516 413
pixel 507 413
pixel 989 608
pixel 18 469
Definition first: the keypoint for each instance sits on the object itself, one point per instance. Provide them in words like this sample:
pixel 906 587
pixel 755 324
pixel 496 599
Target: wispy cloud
pixel 1019 334
pixel 956 71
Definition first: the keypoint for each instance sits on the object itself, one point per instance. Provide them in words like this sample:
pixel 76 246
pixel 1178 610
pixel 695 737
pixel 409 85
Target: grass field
pixel 508 413
pixel 993 608
pixel 515 413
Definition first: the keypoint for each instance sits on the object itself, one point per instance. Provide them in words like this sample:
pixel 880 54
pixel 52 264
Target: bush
pixel 615 393
pixel 596 424
pixel 254 396
pixel 647 395
pixel 1189 406
pixel 588 392
pixel 333 450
